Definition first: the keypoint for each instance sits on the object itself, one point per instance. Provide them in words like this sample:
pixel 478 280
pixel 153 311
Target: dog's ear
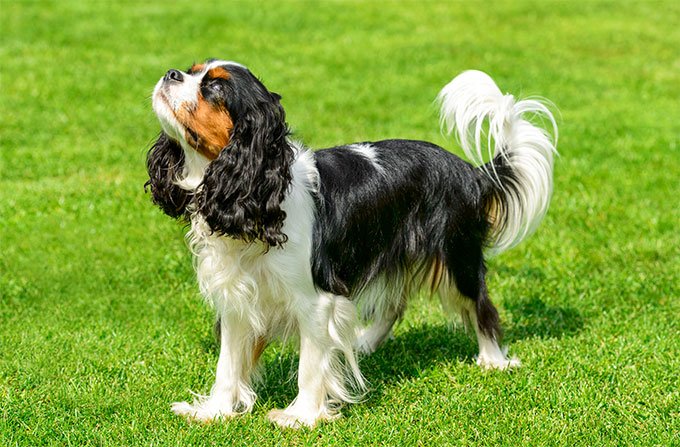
pixel 164 163
pixel 243 188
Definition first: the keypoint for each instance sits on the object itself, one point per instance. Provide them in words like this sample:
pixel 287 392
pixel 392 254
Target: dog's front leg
pixel 232 393
pixel 310 404
pixel 327 332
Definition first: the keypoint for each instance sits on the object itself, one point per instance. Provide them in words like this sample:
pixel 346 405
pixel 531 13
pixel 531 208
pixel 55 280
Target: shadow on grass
pixel 415 351
pixel 533 318
pixel 410 355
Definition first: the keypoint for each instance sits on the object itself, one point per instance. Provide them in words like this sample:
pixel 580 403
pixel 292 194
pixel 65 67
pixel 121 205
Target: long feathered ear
pixel 243 188
pixel 165 162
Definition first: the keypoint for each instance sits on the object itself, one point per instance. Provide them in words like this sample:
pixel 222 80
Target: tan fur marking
pixel 208 128
pixel 493 212
pixel 436 274
pixel 218 72
pixel 260 344
pixel 196 68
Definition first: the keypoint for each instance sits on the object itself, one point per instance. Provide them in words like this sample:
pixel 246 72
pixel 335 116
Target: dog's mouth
pixel 171 123
pixel 162 97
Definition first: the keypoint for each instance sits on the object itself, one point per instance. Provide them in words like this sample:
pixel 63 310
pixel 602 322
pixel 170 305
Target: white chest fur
pixel 244 278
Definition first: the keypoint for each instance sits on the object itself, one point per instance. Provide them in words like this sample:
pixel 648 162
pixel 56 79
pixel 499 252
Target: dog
pixel 328 245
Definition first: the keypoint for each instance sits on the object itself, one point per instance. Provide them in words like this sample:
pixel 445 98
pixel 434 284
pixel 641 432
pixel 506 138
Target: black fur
pixel 422 204
pixel 164 163
pixel 243 188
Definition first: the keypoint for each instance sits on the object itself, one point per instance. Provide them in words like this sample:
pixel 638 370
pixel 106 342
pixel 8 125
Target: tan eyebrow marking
pixel 218 72
pixel 196 68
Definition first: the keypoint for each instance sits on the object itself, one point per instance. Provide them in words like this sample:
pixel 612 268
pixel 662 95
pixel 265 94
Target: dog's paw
pixel 291 418
pixel 364 347
pixel 206 411
pixel 369 340
pixel 500 363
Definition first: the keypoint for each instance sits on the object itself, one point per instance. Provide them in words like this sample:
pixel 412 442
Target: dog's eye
pixel 212 84
pixel 213 90
pixel 208 86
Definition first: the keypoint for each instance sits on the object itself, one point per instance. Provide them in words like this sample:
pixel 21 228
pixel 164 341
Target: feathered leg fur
pixel 232 393
pixel 328 374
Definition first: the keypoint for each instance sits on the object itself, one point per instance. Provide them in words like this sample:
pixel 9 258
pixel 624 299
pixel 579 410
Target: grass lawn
pixel 101 325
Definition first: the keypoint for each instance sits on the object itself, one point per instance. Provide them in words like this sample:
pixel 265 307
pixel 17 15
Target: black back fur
pixel 424 201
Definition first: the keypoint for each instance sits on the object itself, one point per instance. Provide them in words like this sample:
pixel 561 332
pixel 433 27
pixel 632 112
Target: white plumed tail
pixel 521 153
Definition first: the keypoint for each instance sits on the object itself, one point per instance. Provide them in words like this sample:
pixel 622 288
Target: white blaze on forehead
pixel 219 63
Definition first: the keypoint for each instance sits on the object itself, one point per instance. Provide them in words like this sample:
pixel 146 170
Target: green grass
pixel 101 325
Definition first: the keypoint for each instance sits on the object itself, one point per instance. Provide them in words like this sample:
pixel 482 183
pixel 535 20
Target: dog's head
pixel 221 118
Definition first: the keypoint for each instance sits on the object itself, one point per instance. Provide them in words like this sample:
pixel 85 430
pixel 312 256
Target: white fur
pixel 265 295
pixel 219 63
pixel 467 102
pixel 232 393
pixel 491 356
pixel 195 165
pixel 368 152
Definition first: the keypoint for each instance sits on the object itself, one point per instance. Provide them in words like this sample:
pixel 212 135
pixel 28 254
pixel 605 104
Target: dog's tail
pixel 518 177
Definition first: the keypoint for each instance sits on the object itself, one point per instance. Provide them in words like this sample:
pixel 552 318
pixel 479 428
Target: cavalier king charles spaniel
pixel 329 245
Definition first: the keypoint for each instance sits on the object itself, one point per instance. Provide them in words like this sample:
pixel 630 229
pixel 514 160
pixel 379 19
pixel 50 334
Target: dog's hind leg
pixel 485 321
pixel 371 337
pixel 465 292
pixel 382 303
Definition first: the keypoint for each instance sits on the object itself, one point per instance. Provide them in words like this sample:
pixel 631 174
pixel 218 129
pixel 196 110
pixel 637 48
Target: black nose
pixel 173 75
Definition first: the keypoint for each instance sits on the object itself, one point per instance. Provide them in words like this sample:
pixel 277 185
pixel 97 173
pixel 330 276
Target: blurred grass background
pixel 101 325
